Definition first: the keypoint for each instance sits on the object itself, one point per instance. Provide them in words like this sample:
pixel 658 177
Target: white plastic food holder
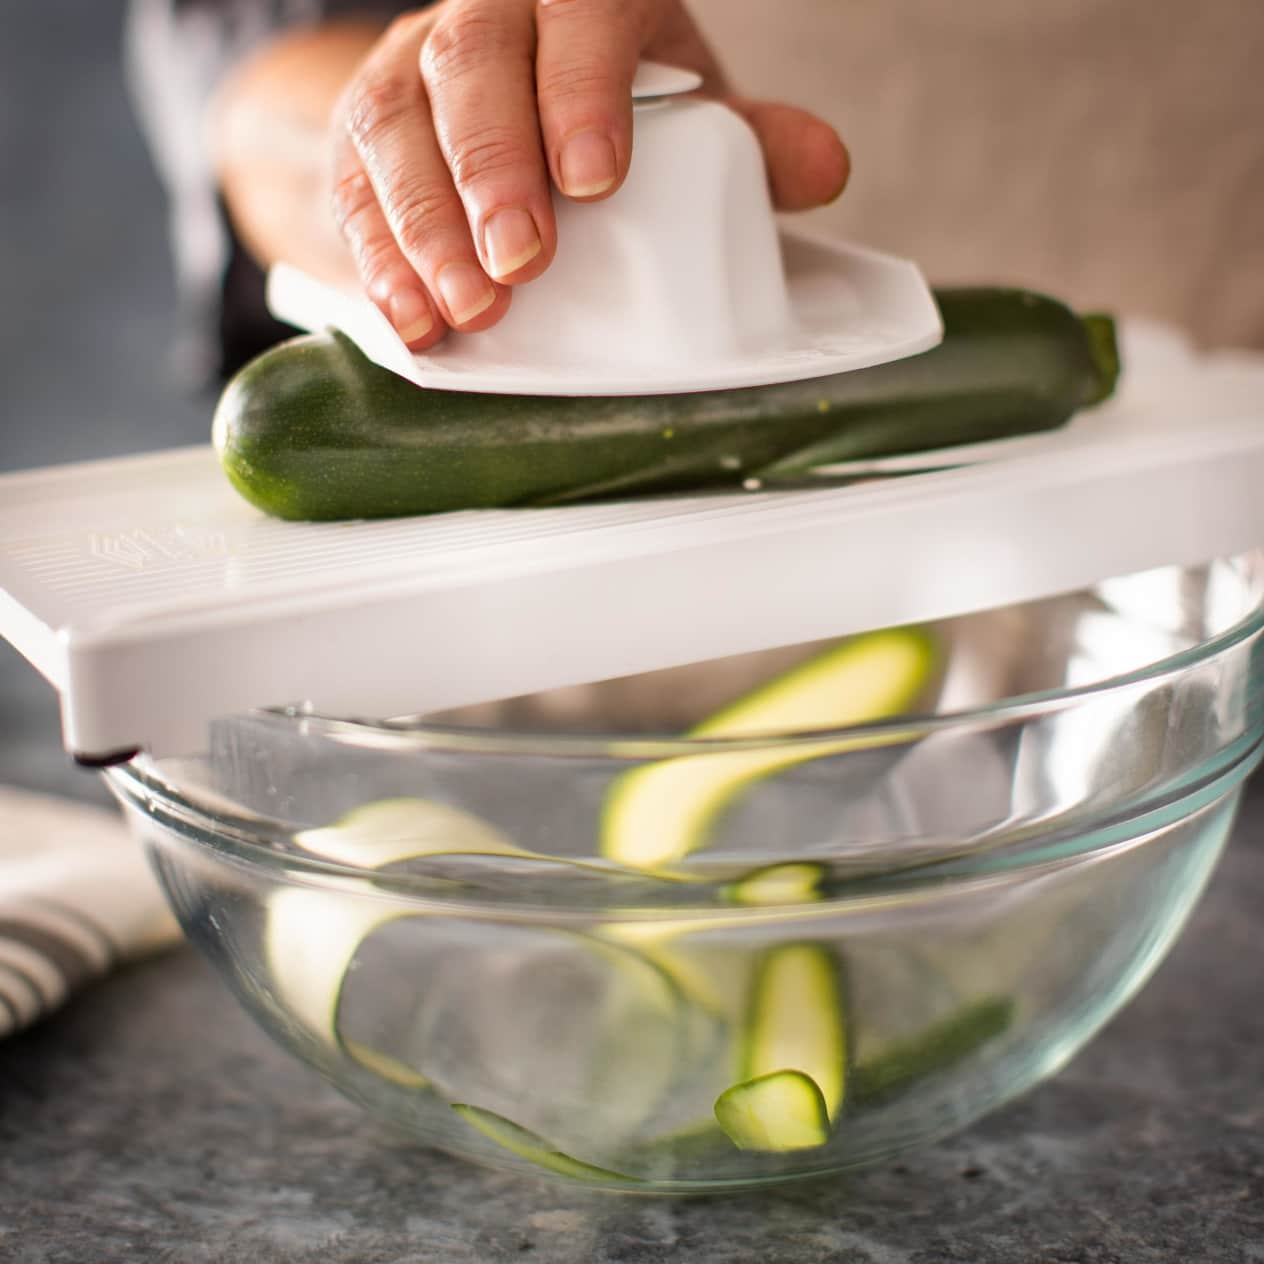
pixel 155 600
pixel 678 282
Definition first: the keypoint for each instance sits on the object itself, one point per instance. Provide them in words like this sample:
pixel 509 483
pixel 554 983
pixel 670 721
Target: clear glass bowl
pixel 958 898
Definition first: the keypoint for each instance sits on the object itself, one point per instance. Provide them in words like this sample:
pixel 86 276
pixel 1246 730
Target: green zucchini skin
pixel 312 430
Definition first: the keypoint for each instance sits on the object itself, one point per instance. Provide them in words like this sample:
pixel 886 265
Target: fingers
pixel 390 128
pixel 587 55
pixel 388 277
pixel 478 68
pixel 460 116
pixel 808 165
pixel 585 62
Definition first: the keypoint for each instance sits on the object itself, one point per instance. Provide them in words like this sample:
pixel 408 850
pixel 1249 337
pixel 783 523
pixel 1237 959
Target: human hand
pixel 451 129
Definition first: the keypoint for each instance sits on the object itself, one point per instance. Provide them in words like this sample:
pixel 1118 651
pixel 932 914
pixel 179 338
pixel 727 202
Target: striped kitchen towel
pixel 76 898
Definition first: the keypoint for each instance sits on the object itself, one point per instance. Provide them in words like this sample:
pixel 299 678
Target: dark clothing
pixel 177 52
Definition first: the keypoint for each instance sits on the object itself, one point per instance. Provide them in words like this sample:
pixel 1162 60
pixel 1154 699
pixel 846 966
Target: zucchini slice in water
pixel 711 985
pixel 796 882
pixel 795 1038
pixel 793 1049
pixel 535 1149
pixel 780 1111
pixel 796 1020
pixel 391 830
pixel 933 1050
pixel 657 814
pixel 313 935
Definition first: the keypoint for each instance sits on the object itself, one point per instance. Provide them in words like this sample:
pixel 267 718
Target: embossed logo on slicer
pixel 140 549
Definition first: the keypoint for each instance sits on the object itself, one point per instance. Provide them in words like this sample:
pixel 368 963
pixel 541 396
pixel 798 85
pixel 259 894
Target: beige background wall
pixel 1111 151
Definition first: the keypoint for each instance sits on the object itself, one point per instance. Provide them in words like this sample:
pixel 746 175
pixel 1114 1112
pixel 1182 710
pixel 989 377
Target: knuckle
pixel 415 213
pixel 463 41
pixel 376 104
pixel 374 257
pixel 575 82
pixel 352 195
pixel 489 153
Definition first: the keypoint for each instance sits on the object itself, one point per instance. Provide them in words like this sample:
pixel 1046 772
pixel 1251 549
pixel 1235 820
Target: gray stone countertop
pixel 150 1120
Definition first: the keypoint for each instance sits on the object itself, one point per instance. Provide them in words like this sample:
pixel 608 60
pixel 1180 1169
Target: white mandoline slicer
pixel 155 600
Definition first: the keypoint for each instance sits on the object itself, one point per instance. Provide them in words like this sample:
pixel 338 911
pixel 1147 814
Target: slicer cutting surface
pixel 154 599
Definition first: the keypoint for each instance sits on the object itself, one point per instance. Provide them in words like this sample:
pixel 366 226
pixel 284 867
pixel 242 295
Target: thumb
pixel 807 163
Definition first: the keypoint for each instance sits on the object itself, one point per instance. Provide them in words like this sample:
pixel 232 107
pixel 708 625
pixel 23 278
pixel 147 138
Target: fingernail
pixel 466 291
pixel 510 240
pixel 410 314
pixel 587 165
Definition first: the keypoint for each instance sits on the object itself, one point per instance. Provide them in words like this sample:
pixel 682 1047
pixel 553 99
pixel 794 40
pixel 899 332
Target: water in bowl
pixel 962 903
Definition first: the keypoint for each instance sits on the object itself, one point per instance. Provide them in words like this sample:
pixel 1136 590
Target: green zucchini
pixel 795 882
pixel 313 430
pixel 931 1051
pixel 796 1022
pixel 313 938
pixel 390 830
pixel 781 1111
pixel 657 814
pixel 786 1110
pixel 312 935
pixel 793 1062
pixel 535 1149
